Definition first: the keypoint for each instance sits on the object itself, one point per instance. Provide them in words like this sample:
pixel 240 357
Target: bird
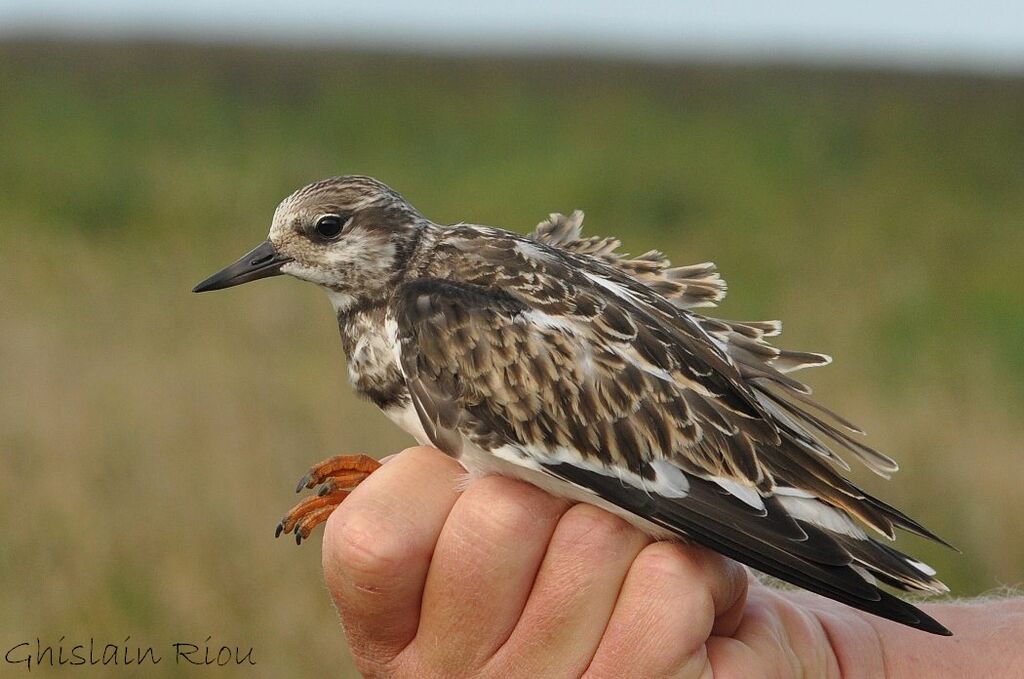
pixel 556 359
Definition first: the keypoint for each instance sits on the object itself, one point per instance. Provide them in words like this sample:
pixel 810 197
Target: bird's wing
pixel 585 373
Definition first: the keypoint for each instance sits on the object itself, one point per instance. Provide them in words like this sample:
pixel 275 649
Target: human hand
pixel 504 580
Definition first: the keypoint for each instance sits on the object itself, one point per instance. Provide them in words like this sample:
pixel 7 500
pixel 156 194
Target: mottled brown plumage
pixel 556 359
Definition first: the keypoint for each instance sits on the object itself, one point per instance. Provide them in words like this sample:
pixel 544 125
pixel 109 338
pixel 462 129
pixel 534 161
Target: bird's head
pixel 348 234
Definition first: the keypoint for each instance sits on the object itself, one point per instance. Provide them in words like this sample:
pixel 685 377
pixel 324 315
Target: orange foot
pixel 339 476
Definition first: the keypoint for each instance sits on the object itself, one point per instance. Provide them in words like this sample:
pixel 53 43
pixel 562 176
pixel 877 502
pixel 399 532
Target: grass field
pixel 150 439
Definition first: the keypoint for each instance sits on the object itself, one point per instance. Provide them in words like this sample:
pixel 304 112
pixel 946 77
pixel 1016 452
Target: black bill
pixel 262 262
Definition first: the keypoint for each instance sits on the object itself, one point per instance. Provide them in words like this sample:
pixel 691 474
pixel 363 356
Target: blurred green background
pixel 151 438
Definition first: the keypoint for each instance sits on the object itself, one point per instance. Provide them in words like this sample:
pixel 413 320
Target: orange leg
pixel 339 476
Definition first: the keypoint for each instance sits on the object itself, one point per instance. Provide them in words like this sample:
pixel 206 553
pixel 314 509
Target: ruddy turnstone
pixel 555 359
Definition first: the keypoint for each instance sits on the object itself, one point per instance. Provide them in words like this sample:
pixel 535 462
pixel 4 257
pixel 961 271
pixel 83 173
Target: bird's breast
pixel 372 369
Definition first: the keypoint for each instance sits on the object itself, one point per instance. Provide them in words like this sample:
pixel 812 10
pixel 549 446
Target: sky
pixel 983 35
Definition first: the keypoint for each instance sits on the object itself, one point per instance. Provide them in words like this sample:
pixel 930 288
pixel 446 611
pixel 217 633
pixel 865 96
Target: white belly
pixel 480 463
pixel 409 422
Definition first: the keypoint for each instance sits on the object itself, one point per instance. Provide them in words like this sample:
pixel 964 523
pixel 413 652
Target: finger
pixel 377 548
pixel 666 611
pixel 483 568
pixel 573 596
pixel 778 638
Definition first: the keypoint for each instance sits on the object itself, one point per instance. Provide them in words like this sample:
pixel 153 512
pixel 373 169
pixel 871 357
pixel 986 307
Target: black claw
pixel 280 529
pixel 303 482
pixel 324 490
pixel 298 537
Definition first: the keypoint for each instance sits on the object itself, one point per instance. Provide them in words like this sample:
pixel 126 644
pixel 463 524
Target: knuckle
pixel 360 542
pixel 587 527
pixel 666 566
pixel 427 453
pixel 665 561
pixel 428 459
pixel 496 504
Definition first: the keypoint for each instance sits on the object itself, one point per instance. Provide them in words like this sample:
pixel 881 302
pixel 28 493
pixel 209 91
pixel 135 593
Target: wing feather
pixel 839 581
pixel 688 287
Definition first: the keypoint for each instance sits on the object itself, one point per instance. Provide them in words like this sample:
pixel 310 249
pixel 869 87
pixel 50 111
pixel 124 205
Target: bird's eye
pixel 330 226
